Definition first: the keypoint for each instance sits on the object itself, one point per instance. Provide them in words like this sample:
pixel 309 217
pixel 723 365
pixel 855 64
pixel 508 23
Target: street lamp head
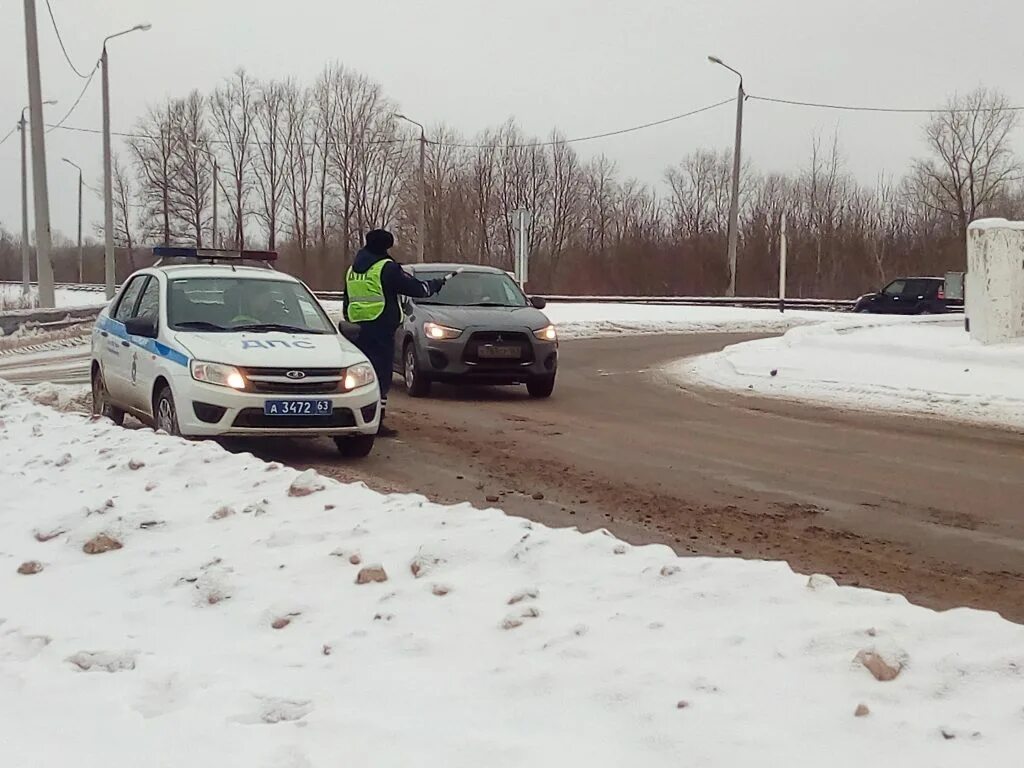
pixel 142 27
pixel 715 60
pixel 49 102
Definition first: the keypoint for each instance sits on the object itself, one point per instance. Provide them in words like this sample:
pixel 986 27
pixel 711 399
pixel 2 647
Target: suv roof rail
pixel 213 255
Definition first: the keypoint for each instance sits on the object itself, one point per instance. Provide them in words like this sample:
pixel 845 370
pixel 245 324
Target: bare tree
pixel 272 156
pixel 972 162
pixel 233 112
pixel 154 147
pixel 191 180
pixel 301 146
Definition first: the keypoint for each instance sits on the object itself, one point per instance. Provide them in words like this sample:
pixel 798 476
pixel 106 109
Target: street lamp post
pixel 734 203
pixel 422 216
pixel 108 185
pixel 44 269
pixel 26 246
pixel 81 257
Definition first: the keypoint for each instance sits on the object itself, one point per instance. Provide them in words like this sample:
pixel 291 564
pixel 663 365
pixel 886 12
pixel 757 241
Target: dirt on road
pixel 928 509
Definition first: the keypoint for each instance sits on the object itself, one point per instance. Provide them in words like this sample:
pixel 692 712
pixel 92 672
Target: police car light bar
pixel 212 254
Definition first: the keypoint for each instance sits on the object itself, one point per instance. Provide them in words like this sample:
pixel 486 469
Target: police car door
pixel 143 365
pixel 117 357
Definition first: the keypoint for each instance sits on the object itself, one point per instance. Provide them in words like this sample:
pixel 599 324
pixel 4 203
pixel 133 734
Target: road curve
pixel 921 507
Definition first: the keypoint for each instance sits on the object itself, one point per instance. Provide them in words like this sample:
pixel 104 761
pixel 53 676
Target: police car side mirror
pixel 349 330
pixel 538 302
pixel 141 326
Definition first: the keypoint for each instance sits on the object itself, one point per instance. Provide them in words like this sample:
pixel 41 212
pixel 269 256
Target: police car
pixel 202 345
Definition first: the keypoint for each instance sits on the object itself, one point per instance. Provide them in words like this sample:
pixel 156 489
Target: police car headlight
pixel 440 332
pixel 547 334
pixel 360 375
pixel 215 373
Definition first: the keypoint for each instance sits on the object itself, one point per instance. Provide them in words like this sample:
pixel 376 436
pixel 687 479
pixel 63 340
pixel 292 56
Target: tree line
pixel 306 169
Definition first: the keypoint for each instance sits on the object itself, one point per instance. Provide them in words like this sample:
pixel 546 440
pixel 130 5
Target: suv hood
pixel 497 318
pixel 271 350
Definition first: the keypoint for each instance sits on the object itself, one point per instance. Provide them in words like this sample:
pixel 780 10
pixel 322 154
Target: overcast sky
pixel 584 66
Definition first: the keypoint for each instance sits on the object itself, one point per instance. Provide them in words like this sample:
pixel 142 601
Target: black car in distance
pixel 910 296
pixel 480 329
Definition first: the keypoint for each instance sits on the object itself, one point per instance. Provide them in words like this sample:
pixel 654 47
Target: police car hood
pixel 271 350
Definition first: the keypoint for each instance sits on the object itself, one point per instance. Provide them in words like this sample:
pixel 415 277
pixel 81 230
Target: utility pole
pixel 26 265
pixel 44 269
pixel 26 241
pixel 734 203
pixel 782 264
pixel 421 223
pixel 108 185
pixel 81 256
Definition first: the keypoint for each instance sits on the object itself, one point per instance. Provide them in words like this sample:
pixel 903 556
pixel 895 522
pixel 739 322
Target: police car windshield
pixel 235 304
pixel 475 289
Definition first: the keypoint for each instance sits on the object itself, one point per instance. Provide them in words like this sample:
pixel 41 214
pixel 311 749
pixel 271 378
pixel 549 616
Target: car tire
pixel 101 405
pixel 165 413
pixel 356 447
pixel 416 382
pixel 541 386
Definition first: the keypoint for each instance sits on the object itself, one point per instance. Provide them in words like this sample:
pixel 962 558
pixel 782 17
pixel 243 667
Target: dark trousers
pixel 380 351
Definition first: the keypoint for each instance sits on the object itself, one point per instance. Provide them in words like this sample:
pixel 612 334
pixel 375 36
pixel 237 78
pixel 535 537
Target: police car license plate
pixel 298 408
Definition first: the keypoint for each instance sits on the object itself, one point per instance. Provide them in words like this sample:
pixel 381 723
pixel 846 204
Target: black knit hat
pixel 379 242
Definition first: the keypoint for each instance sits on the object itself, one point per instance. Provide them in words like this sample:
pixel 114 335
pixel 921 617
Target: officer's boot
pixel 383 430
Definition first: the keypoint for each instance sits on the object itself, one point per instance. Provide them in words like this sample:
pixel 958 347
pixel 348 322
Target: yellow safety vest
pixel 365 291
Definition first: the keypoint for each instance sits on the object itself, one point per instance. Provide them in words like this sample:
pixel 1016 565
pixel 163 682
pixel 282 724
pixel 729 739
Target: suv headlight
pixel 359 375
pixel 440 332
pixel 215 373
pixel 547 333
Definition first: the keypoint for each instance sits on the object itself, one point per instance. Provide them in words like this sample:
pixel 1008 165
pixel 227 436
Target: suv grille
pixel 472 354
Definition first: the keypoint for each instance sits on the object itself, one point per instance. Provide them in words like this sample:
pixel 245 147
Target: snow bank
pixel 198 608
pixel 11 297
pixel 923 366
pixel 584 320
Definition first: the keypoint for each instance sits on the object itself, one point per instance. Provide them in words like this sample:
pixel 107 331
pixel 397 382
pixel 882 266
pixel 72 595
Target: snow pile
pixel 924 366
pixel 174 600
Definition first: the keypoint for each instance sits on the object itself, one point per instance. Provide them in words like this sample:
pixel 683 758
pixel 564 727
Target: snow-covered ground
pixel 171 604
pixel 922 366
pixel 11 297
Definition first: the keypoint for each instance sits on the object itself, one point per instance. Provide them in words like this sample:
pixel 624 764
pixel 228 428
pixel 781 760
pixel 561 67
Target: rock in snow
pixel 100 544
pixel 372 574
pixel 878 666
pixel 309 482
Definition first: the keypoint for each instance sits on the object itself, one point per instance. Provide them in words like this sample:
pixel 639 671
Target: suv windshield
pixel 226 304
pixel 475 289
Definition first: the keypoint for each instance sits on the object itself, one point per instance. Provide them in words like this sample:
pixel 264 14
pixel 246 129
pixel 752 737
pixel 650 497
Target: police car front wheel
pixel 355 447
pixel 165 412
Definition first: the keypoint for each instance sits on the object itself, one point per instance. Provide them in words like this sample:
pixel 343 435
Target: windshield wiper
pixel 270 327
pixel 199 325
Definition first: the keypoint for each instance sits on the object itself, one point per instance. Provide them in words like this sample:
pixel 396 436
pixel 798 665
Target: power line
pixel 591 137
pixel 891 110
pixel 60 123
pixel 9 134
pixel 60 40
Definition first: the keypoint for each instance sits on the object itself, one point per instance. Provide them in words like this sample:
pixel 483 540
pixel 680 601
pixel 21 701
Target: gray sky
pixel 585 66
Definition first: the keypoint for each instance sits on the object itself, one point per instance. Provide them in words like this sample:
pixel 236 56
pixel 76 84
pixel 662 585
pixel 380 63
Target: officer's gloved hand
pixel 436 285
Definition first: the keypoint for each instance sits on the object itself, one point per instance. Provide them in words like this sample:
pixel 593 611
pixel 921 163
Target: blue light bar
pixel 212 254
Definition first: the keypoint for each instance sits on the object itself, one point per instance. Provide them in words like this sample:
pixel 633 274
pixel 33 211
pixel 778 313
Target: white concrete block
pixel 994 288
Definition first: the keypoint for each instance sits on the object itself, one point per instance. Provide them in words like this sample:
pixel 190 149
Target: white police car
pixel 216 348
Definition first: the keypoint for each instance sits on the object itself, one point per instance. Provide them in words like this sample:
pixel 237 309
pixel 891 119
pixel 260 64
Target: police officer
pixel 372 287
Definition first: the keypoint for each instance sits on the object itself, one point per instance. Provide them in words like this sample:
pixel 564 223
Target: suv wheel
pixel 416 382
pixel 355 447
pixel 165 414
pixel 101 405
pixel 541 386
